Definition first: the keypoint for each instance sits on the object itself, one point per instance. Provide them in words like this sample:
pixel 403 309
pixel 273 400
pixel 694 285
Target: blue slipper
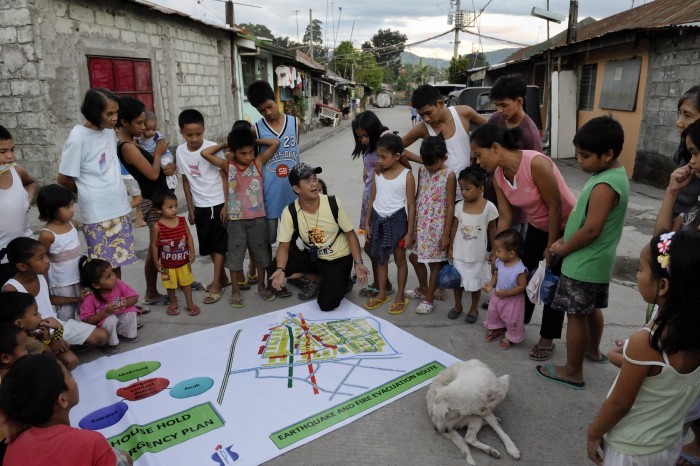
pixel 603 359
pixel 548 373
pixel 161 300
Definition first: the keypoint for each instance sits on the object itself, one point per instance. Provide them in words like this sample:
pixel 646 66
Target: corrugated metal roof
pixel 170 11
pixel 653 15
pixel 308 61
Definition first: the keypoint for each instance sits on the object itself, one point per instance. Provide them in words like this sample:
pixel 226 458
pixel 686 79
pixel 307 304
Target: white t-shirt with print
pixel 204 178
pixel 90 157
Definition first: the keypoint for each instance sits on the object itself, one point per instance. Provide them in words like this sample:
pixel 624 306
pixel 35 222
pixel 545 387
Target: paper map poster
pixel 246 392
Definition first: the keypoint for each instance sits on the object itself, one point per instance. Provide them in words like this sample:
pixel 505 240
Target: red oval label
pixel 282 171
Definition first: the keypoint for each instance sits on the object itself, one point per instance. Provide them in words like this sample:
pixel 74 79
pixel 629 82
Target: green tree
pixel 286 43
pixel 344 58
pixel 258 30
pixel 457 72
pixel 386 46
pixel 420 72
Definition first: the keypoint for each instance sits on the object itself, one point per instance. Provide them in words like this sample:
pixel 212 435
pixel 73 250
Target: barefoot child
pixel 247 227
pixel 641 420
pixel 388 226
pixel 111 305
pixel 173 249
pixel 474 225
pixel 506 314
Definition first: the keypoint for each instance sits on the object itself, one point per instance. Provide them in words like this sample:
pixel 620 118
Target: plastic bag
pixel 535 283
pixel 548 287
pixel 449 278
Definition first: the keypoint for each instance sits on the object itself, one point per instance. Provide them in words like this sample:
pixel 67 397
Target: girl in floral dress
pixel 435 200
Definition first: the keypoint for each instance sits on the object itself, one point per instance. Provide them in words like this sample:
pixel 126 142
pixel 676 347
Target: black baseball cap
pixel 301 172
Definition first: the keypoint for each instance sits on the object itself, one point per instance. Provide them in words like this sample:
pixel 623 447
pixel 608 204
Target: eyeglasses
pixel 310 180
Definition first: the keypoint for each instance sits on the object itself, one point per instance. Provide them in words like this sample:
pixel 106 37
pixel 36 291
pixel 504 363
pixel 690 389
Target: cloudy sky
pixel 359 20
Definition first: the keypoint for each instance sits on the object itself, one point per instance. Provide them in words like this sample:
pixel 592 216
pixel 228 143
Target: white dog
pixel 464 395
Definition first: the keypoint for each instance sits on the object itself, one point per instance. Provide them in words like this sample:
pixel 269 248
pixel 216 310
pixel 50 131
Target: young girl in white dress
pixel 474 223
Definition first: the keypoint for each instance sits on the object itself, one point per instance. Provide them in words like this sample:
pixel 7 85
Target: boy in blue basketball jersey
pixel 277 192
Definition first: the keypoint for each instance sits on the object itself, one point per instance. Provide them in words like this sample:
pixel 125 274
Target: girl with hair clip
pixel 641 421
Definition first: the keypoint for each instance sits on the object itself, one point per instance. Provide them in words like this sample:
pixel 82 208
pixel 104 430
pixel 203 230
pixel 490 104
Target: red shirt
pixel 173 249
pixel 60 445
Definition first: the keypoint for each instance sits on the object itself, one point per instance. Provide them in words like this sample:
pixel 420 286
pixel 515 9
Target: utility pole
pixel 573 19
pixel 459 17
pixel 296 13
pixel 311 34
pixel 229 13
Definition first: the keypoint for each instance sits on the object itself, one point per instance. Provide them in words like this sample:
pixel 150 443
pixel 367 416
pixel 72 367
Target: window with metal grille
pixel 586 87
pixel 123 76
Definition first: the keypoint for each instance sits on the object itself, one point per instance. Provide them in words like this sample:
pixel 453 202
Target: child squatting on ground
pixel 111 305
pixel 172 248
pixel 388 226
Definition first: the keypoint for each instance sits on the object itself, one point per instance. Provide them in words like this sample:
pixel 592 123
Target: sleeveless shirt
pixel 245 192
pixel 43 300
pixel 390 194
pixel 278 192
pixel 147 186
pixel 173 249
pixel 64 255
pixel 14 211
pixel 458 147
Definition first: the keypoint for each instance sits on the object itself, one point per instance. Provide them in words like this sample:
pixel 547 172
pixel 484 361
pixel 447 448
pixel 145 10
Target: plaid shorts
pixel 149 212
pixel 581 298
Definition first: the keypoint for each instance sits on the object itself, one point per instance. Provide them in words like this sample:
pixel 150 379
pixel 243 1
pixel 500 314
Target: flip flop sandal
pixel 196 286
pixel 398 308
pixel 471 318
pixel 194 310
pixel 603 359
pixel 267 295
pixel 425 307
pixel 282 292
pixel 244 285
pixel 453 314
pixel 414 294
pixel 367 292
pixel 212 297
pixel 505 344
pixel 161 300
pixel 110 349
pixel 173 310
pixel 550 374
pixel 236 302
pixel 222 286
pixel 493 335
pixel 374 303
pixel 548 351
pixel 252 279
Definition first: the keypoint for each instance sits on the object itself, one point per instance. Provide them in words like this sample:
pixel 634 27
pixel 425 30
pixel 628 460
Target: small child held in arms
pixel 641 421
pixel 39 392
pixel 111 305
pixel 149 140
pixel 473 226
pixel 202 184
pixel 17 189
pixel 247 227
pixel 172 247
pixel 388 226
pixel 506 314
pixel 588 248
pixel 60 238
pixel 435 212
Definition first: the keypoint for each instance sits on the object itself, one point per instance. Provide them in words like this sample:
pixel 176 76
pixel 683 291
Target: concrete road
pixel 548 422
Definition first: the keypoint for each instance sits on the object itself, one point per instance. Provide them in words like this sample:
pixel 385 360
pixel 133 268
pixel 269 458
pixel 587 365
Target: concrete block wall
pixel 44 75
pixel 674 65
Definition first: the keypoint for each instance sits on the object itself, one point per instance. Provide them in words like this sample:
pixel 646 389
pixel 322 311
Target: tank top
pixel 391 194
pixel 278 192
pixel 64 254
pixel 458 148
pixel 245 192
pixel 655 420
pixel 14 211
pixel 523 192
pixel 147 186
pixel 43 301
pixel 173 249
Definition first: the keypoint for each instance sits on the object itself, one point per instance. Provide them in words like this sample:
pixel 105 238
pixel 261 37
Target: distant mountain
pixel 493 57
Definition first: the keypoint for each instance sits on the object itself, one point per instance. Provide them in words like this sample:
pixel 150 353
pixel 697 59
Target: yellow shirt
pixel 319 229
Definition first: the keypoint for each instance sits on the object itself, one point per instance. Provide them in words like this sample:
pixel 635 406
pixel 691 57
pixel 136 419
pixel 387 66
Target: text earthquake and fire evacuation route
pixel 295 350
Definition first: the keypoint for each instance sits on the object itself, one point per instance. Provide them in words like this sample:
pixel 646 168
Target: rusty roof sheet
pixel 653 15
